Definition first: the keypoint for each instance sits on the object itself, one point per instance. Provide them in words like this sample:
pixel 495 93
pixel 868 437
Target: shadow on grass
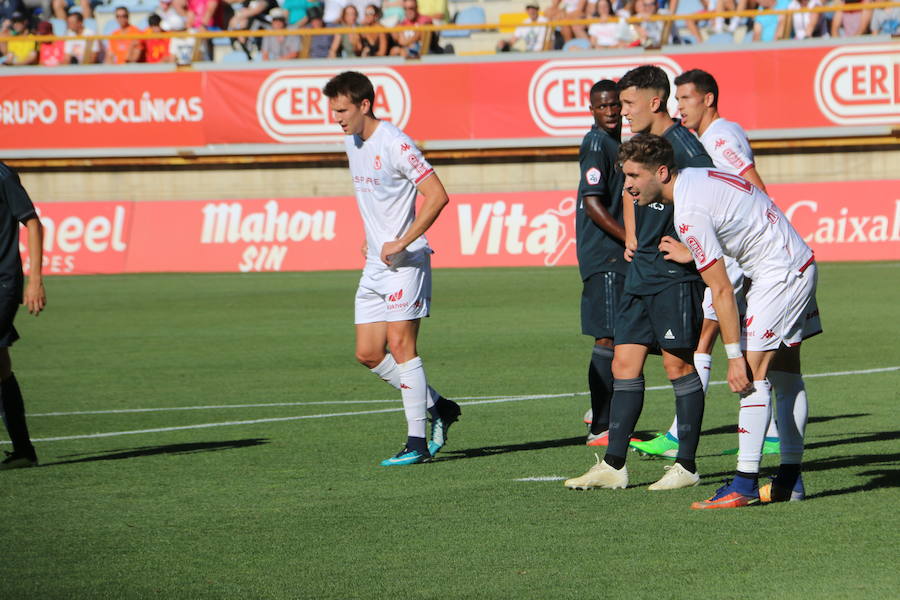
pixel 493 450
pixel 189 448
pixel 823 419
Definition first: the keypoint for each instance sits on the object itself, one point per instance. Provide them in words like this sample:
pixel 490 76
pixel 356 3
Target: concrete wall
pixel 205 183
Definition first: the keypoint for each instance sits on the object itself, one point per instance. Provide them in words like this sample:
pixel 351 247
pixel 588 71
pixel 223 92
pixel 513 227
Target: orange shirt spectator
pixel 124 51
pixel 155 49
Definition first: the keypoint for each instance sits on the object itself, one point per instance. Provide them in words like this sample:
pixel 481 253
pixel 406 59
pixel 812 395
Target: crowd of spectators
pixel 23 17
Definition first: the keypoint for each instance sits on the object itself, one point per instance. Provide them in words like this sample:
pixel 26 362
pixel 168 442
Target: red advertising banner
pixel 841 221
pixel 828 88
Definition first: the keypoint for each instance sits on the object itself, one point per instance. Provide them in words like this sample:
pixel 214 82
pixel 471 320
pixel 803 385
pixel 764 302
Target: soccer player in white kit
pixel 719 214
pixel 394 291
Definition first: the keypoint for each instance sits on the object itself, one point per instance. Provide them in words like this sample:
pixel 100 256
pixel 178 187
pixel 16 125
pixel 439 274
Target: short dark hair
pixel 649 150
pixel 75 13
pixel 154 20
pixel 352 84
pixel 703 81
pixel 647 77
pixel 125 8
pixel 604 85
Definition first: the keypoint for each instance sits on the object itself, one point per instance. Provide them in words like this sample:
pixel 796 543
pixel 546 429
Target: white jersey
pixel 720 214
pixel 386 169
pixel 728 146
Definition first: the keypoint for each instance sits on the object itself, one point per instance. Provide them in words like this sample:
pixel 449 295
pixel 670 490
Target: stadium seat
pixel 235 57
pixel 59 26
pixel 688 7
pixel 110 27
pixel 471 15
pixel 720 38
pixel 577 44
pixel 90 24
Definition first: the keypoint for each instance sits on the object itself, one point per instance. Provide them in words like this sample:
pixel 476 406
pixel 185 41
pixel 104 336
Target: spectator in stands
pixel 530 39
pixel 886 21
pixel 297 11
pixel 770 27
pixel 568 9
pixel 344 44
pixel 79 51
pixel 392 12
pixel 333 11
pixel 181 49
pixel 124 51
pixel 806 24
pixel 731 5
pixel 649 33
pixel 156 50
pixel 850 23
pixel 209 14
pixel 174 7
pixel 436 10
pixel 61 8
pixel 253 14
pixel 8 8
pixel 375 43
pixel 409 43
pixel 15 51
pixel 609 34
pixel 50 54
pixel 320 44
pixel 280 47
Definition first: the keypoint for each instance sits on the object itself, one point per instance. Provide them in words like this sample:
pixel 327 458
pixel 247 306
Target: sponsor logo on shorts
pixel 403 386
pixel 694 244
pixel 669 335
pixel 859 84
pixel 742 430
pixel 395 297
pixel 291 107
pixel 813 314
pixel 593 176
pixel 768 334
pixel 747 321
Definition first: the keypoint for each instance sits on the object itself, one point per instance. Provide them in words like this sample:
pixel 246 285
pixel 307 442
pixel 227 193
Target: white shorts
pixel 782 312
pixel 736 275
pixel 401 294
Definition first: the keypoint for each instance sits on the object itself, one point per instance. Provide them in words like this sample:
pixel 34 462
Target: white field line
pixel 472 402
pixel 547 478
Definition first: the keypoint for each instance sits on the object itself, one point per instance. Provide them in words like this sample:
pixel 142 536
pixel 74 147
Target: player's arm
pixel 753 177
pixel 601 217
pixel 630 230
pixel 35 298
pixel 716 278
pixel 435 200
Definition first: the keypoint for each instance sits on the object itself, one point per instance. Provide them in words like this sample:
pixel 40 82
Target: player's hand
pixel 35 298
pixel 629 254
pixel 674 250
pixel 390 250
pixel 738 380
pixel 365 248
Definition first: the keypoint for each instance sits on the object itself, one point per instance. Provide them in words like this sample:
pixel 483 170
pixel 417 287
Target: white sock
pixel 673 430
pixel 752 420
pixel 387 371
pixel 790 394
pixel 414 389
pixel 703 364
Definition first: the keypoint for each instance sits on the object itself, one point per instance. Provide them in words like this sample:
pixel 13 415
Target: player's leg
pixel 599 300
pixel 600 382
pixel 12 408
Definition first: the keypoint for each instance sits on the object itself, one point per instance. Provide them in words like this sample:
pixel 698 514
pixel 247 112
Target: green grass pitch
pixel 266 484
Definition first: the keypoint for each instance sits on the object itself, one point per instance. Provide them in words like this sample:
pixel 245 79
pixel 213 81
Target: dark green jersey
pixel 650 273
pixel 601 177
pixel 15 207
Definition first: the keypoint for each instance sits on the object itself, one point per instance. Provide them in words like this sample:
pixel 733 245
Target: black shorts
pixel 670 319
pixel 600 304
pixel 9 306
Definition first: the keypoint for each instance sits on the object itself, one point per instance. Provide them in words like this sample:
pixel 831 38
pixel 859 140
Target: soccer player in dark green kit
pixel 661 304
pixel 600 239
pixel 15 208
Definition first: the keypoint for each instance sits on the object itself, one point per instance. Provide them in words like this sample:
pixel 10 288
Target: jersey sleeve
pixel 727 152
pixel 20 204
pixel 696 231
pixel 408 160
pixel 597 172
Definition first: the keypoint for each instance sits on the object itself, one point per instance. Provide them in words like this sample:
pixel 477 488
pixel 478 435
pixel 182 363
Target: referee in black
pixel 15 208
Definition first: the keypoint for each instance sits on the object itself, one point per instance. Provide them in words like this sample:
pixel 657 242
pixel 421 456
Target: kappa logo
pixel 593 176
pixel 377 164
pixel 291 107
pixel 403 386
pixel 742 430
pixel 812 314
pixel 860 84
pixel 395 297
pixel 768 334
pixel 719 143
pixel 404 147
pixel 697 250
pixel 559 92
pixel 683 228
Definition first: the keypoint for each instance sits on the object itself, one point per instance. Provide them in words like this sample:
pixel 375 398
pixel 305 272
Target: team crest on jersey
pixel 593 176
pixel 694 244
pixel 719 143
pixel 377 162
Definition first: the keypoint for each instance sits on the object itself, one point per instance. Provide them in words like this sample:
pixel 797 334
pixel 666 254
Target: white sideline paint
pixel 549 478
pixel 472 402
